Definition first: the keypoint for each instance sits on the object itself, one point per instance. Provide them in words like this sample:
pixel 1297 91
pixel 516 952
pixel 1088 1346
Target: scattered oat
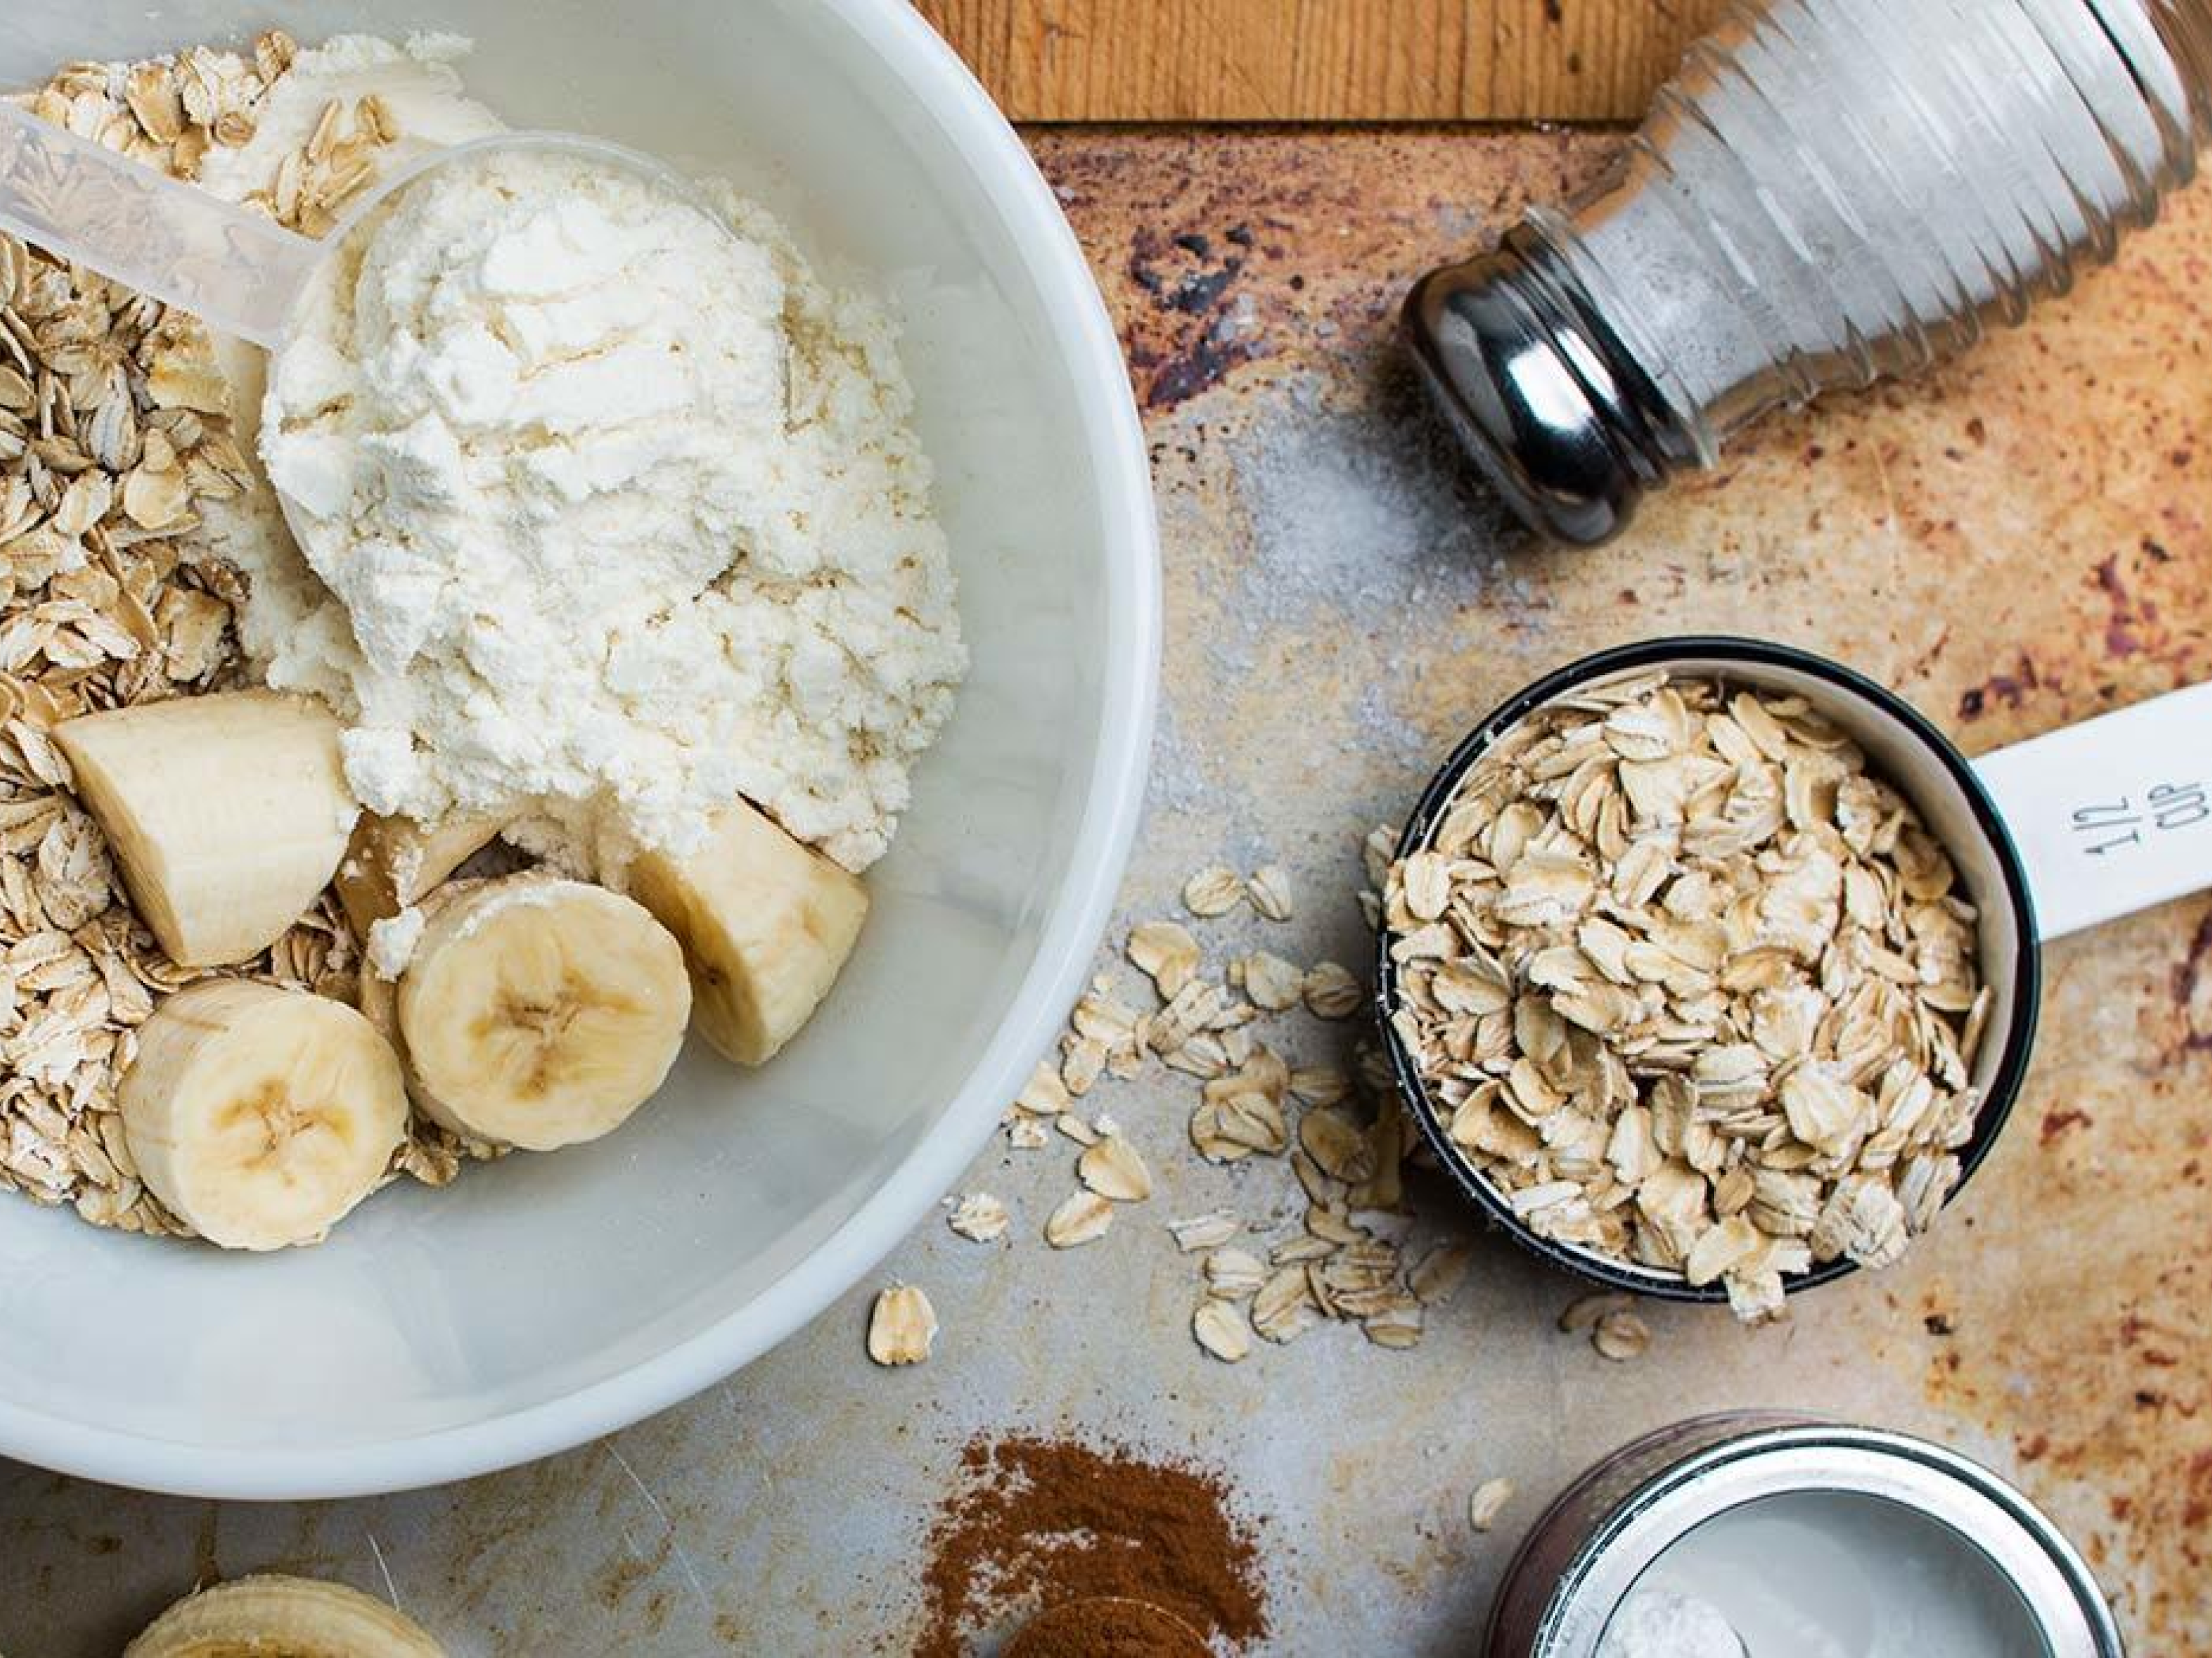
pixel 1269 889
pixel 1621 1336
pixel 1205 1056
pixel 1340 1124
pixel 1331 992
pixel 1336 1145
pixel 1284 1309
pixel 1025 1134
pixel 1378 852
pixel 1165 953
pixel 1319 1085
pixel 1222 1329
pixel 1395 1326
pixel 1083 1219
pixel 980 1216
pixel 1272 983
pixel 1439 1275
pixel 1044 1095
pixel 1107 1020
pixel 1113 1170
pixel 1190 1012
pixel 1212 891
pixel 1204 1232
pixel 903 1326
pixel 1083 1061
pixel 1488 1502
pixel 1234 1274
pixel 1237 1124
pixel 1583 1311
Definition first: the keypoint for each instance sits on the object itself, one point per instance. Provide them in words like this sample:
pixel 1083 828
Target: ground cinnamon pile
pixel 1106 1626
pixel 1034 1522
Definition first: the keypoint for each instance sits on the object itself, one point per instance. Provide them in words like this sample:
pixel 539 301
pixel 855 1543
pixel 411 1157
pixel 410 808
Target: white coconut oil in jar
pixel 1833 1574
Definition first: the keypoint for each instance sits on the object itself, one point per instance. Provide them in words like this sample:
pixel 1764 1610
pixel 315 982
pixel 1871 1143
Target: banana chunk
pixel 295 1617
pixel 393 863
pixel 261 1116
pixel 228 814
pixel 766 925
pixel 539 1012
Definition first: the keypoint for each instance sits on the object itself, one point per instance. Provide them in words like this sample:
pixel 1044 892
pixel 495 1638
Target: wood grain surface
pixel 1322 60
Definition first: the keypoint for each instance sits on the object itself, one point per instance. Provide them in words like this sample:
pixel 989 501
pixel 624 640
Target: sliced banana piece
pixel 539 1012
pixel 766 925
pixel 271 1616
pixel 261 1116
pixel 393 863
pixel 227 813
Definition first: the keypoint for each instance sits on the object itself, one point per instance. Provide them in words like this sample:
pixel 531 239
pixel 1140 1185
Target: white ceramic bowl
pixel 545 1300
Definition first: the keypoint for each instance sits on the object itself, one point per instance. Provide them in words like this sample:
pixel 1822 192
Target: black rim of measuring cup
pixel 2019 1036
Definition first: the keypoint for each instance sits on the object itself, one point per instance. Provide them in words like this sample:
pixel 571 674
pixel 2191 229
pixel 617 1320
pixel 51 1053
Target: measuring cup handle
pixel 234 270
pixel 2113 815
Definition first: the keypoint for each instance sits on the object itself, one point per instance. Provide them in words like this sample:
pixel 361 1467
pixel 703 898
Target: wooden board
pixel 1322 60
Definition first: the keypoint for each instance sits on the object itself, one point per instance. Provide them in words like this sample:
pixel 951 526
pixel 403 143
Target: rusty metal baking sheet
pixel 2018 544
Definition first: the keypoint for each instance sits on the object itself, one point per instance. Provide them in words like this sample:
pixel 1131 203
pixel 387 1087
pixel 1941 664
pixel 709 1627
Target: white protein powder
pixel 609 517
pixel 391 941
pixel 1656 1621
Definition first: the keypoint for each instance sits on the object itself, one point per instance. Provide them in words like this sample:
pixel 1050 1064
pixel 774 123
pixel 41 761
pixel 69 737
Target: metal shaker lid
pixel 1538 393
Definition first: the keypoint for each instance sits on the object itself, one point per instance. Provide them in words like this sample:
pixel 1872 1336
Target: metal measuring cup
pixel 2047 837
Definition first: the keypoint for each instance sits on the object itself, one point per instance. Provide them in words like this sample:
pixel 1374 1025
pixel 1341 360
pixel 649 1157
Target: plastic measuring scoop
pixel 237 272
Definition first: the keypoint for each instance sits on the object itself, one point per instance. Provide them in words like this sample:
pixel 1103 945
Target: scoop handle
pixel 235 271
pixel 2113 815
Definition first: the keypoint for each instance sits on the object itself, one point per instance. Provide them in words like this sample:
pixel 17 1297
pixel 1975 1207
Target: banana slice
pixel 274 1617
pixel 539 1012
pixel 766 925
pixel 391 863
pixel 259 1115
pixel 229 813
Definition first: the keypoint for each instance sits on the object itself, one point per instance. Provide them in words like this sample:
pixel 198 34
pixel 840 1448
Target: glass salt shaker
pixel 1828 193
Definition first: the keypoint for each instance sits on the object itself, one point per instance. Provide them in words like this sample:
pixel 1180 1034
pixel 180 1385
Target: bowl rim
pixel 2006 1081
pixel 1001 167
